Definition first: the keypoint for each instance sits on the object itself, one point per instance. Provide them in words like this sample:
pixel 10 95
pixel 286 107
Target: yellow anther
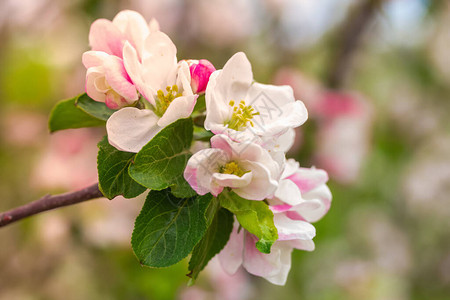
pixel 163 100
pixel 242 115
pixel 232 168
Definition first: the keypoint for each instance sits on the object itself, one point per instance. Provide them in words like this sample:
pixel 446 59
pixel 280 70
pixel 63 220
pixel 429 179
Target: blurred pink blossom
pixel 69 161
pixel 224 286
pixel 344 121
pixel 21 128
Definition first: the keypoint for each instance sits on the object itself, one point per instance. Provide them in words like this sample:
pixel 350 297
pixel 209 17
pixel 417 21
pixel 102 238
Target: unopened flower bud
pixel 200 72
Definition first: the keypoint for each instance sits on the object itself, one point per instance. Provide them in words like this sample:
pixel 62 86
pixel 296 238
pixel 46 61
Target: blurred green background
pixel 375 77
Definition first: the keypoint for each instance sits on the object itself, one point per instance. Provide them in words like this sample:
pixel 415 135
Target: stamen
pixel 232 168
pixel 242 115
pixel 163 100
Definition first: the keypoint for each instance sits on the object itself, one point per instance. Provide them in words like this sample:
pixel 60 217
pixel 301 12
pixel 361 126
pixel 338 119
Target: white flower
pixel 302 193
pixel 246 110
pixel 246 168
pixel 163 82
pixel 275 266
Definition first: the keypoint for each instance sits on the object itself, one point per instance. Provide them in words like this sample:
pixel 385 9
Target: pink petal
pixel 134 28
pixel 231 256
pixel 118 79
pixel 308 179
pixel 106 37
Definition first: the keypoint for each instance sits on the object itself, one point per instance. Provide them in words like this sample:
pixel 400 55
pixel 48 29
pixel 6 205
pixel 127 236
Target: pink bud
pixel 200 72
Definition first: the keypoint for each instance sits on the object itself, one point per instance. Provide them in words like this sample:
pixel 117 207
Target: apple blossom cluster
pixel 209 144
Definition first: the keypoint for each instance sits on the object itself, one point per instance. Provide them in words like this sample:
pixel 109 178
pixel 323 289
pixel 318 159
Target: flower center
pixel 163 100
pixel 232 168
pixel 242 114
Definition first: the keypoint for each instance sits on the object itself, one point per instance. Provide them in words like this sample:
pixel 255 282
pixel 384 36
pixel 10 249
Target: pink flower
pixel 127 25
pixel 345 121
pixel 201 70
pixel 302 193
pixel 247 168
pixel 106 78
pixel 274 267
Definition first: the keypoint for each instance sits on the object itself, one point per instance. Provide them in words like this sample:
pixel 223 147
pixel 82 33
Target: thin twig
pixel 351 33
pixel 49 202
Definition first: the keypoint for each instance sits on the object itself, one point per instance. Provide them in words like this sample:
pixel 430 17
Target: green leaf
pixel 66 115
pixel 212 242
pixel 200 134
pixel 254 216
pixel 168 228
pixel 113 172
pixel 77 112
pixel 200 105
pixel 94 108
pixel 162 161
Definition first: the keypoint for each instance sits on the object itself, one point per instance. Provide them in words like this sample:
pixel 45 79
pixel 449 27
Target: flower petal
pixel 93 76
pixel 231 256
pixel 292 229
pixel 218 111
pixel 134 70
pixel 118 79
pixel 274 267
pixel 104 36
pixel 306 245
pixel 235 78
pixel 262 185
pixel 280 277
pixel 232 181
pixel 200 169
pixel 94 58
pixel 288 192
pixel 129 129
pixel 308 179
pixel 134 28
pixel 159 60
pixel 316 204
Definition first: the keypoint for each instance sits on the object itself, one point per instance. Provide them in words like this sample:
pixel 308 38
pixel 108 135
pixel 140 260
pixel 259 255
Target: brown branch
pixel 351 33
pixel 49 202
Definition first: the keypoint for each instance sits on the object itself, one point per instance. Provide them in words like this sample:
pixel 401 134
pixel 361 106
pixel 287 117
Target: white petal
pixel 93 58
pixel 306 245
pixel 280 277
pixel 235 78
pixel 129 129
pixel 231 256
pixel 153 25
pixel 93 76
pixel 159 61
pixel 135 71
pixel 282 142
pixel 290 168
pixel 184 78
pixel 232 181
pixel 217 109
pixel 288 192
pixel 316 204
pixel 274 266
pixel 292 229
pixel 262 185
pixel 133 26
